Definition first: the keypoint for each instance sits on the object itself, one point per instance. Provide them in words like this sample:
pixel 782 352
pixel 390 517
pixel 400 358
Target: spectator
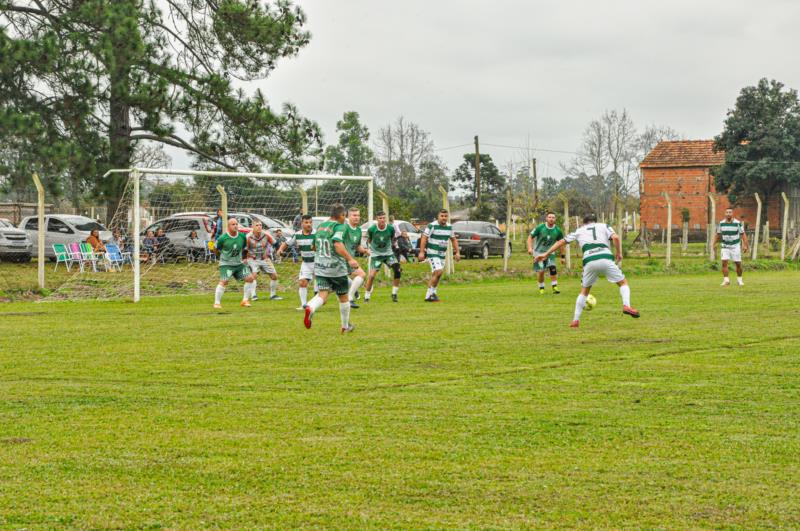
pixel 195 248
pixel 118 239
pixel 403 247
pixel 162 243
pixel 149 243
pixel 95 241
pixel 297 222
pixel 219 224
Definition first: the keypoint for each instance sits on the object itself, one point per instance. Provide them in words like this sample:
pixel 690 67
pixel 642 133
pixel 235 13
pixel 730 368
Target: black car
pixel 479 238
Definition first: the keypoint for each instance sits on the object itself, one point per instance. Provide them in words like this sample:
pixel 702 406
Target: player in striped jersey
pixel 259 246
pixel 304 239
pixel 730 232
pixel 594 239
pixel 433 246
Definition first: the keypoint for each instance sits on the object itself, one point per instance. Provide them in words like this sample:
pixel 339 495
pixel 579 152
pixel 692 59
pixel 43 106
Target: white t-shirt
pixel 594 240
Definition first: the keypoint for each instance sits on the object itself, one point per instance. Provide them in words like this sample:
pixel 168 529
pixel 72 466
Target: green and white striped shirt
pixel 594 240
pixel 305 242
pixel 731 233
pixel 438 236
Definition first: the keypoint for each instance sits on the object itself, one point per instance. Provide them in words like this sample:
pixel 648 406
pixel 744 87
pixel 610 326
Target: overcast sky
pixel 506 69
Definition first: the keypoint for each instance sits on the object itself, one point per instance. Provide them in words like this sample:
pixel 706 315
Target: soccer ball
pixel 590 301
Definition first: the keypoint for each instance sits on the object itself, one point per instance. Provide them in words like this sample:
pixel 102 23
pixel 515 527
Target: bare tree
pixel 150 155
pixel 401 148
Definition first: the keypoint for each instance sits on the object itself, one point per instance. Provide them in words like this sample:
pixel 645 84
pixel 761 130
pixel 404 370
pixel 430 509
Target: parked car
pixel 272 224
pixel 15 246
pixel 479 238
pixel 177 229
pixel 62 228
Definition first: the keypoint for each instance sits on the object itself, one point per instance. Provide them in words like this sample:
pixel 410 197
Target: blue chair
pixel 114 257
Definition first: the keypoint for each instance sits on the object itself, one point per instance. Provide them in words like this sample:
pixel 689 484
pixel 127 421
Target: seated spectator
pixel 403 248
pixel 149 243
pixel 279 239
pixel 162 243
pixel 118 239
pixel 195 248
pixel 95 241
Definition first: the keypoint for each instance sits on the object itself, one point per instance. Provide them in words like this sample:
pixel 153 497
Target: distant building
pixel 683 169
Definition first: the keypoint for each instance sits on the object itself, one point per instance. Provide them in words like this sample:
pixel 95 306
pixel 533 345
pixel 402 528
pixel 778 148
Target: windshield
pixel 463 225
pixel 5 224
pixel 85 224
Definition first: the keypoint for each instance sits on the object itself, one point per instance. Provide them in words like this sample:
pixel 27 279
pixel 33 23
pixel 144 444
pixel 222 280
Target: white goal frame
pixel 137 173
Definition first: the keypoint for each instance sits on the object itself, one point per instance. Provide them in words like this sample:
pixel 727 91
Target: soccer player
pixel 731 232
pixel 545 235
pixel 229 248
pixel 594 238
pixel 304 239
pixel 259 245
pixel 380 237
pixel 330 267
pixel 352 241
pixel 433 246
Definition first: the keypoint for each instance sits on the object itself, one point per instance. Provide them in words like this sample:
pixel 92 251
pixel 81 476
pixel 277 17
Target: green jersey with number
pixel 230 248
pixel 380 240
pixel 327 262
pixel 352 238
pixel 545 237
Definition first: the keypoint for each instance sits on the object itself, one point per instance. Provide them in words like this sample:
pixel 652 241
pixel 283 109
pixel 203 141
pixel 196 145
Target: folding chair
pixel 88 255
pixel 75 255
pixel 62 256
pixel 114 258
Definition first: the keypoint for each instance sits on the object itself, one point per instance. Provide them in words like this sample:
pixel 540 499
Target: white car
pixel 15 246
pixel 62 228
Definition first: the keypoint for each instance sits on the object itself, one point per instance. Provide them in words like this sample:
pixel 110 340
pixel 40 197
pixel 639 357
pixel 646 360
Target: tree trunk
pixel 119 136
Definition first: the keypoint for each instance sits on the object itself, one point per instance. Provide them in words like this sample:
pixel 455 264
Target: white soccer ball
pixel 590 301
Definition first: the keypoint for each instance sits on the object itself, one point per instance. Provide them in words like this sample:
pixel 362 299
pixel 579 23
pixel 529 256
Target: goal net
pixel 163 231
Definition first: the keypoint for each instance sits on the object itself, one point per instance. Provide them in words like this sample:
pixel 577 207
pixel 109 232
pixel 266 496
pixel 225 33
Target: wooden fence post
pixel 758 226
pixel 669 227
pixel 784 225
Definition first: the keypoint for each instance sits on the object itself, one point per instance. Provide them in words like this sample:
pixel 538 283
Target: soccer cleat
pixel 356 295
pixel 217 306
pixel 307 317
pixel 556 291
pixel 541 291
pixel 574 324
pixel 428 299
pixel 726 282
pixel 354 305
pixel 740 281
pixel 349 328
pixel 627 310
pixel 244 304
pixel 275 298
pixel 300 308
pixel 394 297
pixel 435 298
pixel 254 297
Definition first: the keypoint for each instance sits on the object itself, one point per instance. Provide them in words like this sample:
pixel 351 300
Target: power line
pixel 523 148
pixel 452 147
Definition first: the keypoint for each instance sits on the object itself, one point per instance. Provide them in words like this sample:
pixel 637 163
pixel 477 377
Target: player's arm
pixel 456 250
pixel 341 250
pixel 745 243
pixel 283 246
pixel 530 244
pixel 553 248
pixel 423 245
pixel 617 246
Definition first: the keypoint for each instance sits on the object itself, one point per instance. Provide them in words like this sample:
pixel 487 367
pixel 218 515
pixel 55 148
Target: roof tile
pixel 683 153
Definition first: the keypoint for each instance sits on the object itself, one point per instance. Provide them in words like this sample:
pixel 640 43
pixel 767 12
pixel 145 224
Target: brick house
pixel 683 169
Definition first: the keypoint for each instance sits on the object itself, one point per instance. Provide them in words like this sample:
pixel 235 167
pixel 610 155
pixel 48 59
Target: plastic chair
pixel 88 255
pixel 62 256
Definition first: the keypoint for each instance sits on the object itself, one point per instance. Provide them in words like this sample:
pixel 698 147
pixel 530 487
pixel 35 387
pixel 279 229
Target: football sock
pixel 344 313
pixel 255 286
pixel 218 294
pixel 367 295
pixel 249 287
pixel 354 287
pixel 553 283
pixel 273 287
pixel 315 303
pixel 429 293
pixel 625 292
pixel 395 289
pixel 303 292
pixel 580 304
pixel 541 285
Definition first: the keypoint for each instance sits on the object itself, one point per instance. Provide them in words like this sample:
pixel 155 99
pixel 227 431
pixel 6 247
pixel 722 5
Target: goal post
pixel 165 218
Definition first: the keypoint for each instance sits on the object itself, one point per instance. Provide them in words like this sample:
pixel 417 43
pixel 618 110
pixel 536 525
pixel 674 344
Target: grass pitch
pixel 483 411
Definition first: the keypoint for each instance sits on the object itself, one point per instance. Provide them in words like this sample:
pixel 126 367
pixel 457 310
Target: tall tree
pixel 493 185
pixel 81 84
pixel 761 140
pixel 352 155
pixel 401 148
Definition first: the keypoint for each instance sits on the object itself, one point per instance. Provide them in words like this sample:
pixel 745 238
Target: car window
pixel 244 221
pixel 187 225
pixel 32 224
pixel 461 225
pixel 494 230
pixel 86 224
pixel 408 227
pixel 56 225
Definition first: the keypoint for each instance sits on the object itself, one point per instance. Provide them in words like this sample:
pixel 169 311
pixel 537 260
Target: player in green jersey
pixel 433 247
pixel 229 248
pixel 381 236
pixel 352 240
pixel 330 267
pixel 544 236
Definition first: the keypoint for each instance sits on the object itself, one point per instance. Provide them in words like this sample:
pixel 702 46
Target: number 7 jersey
pixel 327 262
pixel 594 240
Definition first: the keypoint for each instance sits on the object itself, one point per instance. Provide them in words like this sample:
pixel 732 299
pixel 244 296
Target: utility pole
pixel 477 173
pixel 535 184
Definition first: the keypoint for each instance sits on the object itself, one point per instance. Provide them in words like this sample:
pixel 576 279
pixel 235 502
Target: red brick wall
pixel 687 187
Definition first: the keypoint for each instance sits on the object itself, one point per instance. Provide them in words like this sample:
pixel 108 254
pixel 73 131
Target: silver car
pixel 62 228
pixel 15 246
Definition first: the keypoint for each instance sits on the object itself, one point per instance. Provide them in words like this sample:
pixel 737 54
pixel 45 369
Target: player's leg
pixel 437 267
pixel 540 275
pixel 269 268
pixel 219 292
pixel 374 268
pixel 554 277
pixel 249 284
pixel 302 292
pixel 358 277
pixel 737 259
pixel 342 292
pixel 398 272
pixel 726 281
pixel 614 274
pixel 580 302
pixel 253 266
pixel 324 287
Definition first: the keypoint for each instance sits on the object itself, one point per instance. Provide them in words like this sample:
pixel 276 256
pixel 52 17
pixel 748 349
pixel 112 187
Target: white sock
pixel 395 289
pixel 580 304
pixel 344 313
pixel 541 285
pixel 428 293
pixel 739 279
pixel 354 285
pixel 726 279
pixel 433 289
pixel 303 292
pixel 554 282
pixel 255 287
pixel 273 287
pixel 218 294
pixel 625 292
pixel 249 288
pixel 367 295
pixel 315 303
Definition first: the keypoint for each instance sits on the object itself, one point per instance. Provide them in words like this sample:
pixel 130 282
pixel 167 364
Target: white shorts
pixel 437 264
pixel 607 268
pixel 306 271
pixel 733 254
pixel 261 265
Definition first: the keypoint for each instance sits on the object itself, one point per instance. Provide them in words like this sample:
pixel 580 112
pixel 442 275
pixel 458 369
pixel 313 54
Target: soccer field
pixel 483 411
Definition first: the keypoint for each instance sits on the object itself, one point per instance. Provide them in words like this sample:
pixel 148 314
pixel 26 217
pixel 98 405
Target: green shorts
pixel 339 285
pixel 544 264
pixel 376 261
pixel 239 272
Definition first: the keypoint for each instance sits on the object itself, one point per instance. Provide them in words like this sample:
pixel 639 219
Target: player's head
pixel 728 213
pixel 354 216
pixel 337 212
pixel 278 232
pixel 219 212
pixel 233 225
pixel 380 217
pixel 589 218
pixel 306 222
pixel 550 218
pixel 443 216
pixel 257 227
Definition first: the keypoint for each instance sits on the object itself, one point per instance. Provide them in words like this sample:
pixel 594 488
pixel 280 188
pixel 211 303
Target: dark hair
pixel 443 211
pixel 380 213
pixel 590 218
pixel 337 210
pixel 306 216
pixel 548 213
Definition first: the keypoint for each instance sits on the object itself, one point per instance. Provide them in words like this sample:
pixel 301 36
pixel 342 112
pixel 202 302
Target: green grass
pixel 482 411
